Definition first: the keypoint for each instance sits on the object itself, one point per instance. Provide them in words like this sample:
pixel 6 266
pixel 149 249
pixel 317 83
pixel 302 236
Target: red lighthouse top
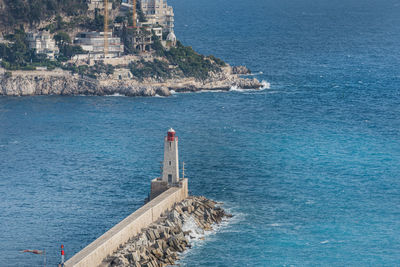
pixel 171 135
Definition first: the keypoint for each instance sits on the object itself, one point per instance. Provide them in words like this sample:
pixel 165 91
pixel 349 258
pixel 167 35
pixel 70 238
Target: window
pixel 169 178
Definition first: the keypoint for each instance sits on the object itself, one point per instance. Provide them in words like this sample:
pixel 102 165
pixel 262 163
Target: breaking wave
pixel 254 74
pixel 115 94
pixel 160 96
pixel 265 85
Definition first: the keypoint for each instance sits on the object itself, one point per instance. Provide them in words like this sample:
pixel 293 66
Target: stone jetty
pixel 161 242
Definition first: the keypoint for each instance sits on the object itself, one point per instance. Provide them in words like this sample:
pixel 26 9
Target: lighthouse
pixel 170 171
pixel 169 177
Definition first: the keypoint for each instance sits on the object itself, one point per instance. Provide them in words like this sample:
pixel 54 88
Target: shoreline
pixel 59 82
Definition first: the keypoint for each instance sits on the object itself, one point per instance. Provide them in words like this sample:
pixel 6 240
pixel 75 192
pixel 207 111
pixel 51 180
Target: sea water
pixel 310 167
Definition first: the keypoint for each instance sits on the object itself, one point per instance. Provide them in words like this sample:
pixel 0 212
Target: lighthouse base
pixel 158 187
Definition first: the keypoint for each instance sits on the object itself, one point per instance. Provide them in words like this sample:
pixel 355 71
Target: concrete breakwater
pixel 154 234
pixel 109 242
pixel 161 242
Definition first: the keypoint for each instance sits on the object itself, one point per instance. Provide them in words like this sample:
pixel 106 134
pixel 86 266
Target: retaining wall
pixel 105 245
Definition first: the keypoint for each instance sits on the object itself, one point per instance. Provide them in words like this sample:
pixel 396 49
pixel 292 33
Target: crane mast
pixel 105 28
pixel 134 14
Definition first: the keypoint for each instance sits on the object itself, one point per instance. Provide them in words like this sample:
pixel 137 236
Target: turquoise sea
pixel 310 167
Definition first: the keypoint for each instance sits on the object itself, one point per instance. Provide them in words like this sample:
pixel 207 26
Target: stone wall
pixel 109 242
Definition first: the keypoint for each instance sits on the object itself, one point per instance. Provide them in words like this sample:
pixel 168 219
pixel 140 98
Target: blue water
pixel 309 167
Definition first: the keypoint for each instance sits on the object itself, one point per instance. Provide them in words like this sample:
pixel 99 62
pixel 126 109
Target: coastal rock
pixel 248 84
pixel 58 82
pixel 241 70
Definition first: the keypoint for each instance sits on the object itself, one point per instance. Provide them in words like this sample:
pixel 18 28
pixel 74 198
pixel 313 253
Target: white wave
pixel 172 92
pixel 116 94
pixel 254 74
pixel 196 232
pixel 198 237
pixel 210 91
pixel 265 85
pixel 275 224
pixel 324 242
pixel 160 96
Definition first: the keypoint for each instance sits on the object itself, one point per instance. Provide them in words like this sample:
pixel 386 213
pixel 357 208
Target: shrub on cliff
pixel 8 74
pixel 218 61
pixel 143 69
pixel 16 12
pixel 191 63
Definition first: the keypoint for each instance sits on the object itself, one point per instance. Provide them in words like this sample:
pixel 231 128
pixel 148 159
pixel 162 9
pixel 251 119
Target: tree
pixel 62 38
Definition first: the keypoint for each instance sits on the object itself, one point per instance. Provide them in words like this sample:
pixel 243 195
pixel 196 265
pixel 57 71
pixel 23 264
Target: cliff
pixel 26 83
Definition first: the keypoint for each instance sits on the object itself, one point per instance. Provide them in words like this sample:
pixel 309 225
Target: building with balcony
pixel 93 42
pixel 158 12
pixel 43 43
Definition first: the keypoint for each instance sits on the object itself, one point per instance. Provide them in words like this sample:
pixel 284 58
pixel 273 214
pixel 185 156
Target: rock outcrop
pixel 241 70
pixel 59 82
pixel 161 243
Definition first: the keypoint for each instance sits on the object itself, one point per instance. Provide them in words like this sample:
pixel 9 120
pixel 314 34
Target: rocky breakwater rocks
pixel 161 243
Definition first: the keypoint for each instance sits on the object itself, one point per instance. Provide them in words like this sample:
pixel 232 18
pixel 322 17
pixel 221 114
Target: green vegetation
pixel 185 60
pixel 145 69
pixel 18 56
pixel 62 38
pixel 189 62
pixel 218 61
pixel 17 12
pixel 97 24
pixel 8 74
pixel 91 24
pixel 89 71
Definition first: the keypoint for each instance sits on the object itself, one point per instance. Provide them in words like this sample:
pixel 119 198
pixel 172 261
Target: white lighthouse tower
pixel 170 171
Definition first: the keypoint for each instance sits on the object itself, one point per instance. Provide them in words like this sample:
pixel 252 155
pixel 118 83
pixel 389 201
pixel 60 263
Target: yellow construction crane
pixel 134 14
pixel 105 28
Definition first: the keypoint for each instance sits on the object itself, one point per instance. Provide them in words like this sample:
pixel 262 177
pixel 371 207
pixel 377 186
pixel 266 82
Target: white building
pixel 171 40
pixel 159 12
pixel 43 43
pixel 93 42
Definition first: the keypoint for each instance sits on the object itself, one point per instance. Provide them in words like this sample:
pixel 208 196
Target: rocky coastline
pixel 161 243
pixel 59 82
